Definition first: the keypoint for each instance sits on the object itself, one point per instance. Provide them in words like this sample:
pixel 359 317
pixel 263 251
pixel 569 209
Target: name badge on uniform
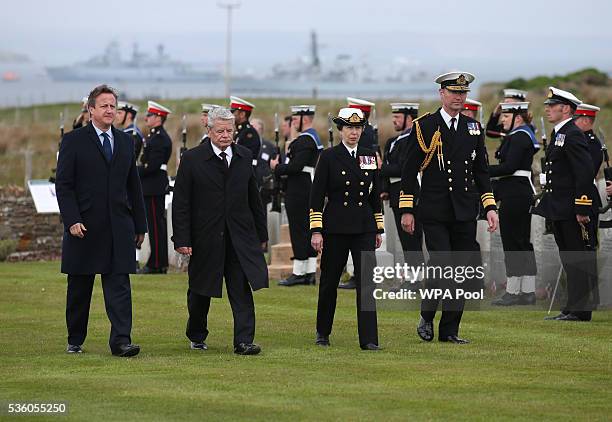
pixel 473 128
pixel 367 162
pixel 265 156
pixel 560 139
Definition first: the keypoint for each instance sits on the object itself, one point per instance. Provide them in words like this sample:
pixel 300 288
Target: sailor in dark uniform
pixel 448 149
pixel 584 118
pixel 263 172
pixel 245 135
pixel 391 173
pixel 299 169
pixel 206 108
pixel 126 119
pixel 153 171
pixel 351 220
pixel 494 127
pixel 514 192
pixel 369 137
pixel 568 200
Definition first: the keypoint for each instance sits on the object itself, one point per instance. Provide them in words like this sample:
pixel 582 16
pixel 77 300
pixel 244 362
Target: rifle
pixel 330 130
pixel 276 191
pixel 605 224
pixel 548 229
pixel 375 128
pixel 184 134
pixel 61 128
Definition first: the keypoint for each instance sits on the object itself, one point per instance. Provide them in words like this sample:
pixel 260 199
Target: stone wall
pixel 38 236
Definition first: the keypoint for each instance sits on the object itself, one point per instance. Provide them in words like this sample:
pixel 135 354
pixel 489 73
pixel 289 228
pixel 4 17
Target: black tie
pixel 222 154
pixel 106 147
pixel 353 153
pixel 452 126
pixel 552 135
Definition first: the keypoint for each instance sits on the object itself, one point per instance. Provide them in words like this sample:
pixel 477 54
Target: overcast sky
pixel 499 39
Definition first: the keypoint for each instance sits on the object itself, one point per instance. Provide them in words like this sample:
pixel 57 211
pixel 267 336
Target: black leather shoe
pixel 507 300
pixel 350 284
pixel 570 317
pixel 322 340
pixel 126 350
pixel 527 299
pixel 74 349
pixel 311 279
pixel 198 346
pixel 247 349
pixel 370 346
pixel 554 318
pixel 294 280
pixel 454 339
pixel 425 330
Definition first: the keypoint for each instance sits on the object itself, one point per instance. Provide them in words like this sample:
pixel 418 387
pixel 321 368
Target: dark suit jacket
pixel 105 197
pixel 449 192
pixel 207 201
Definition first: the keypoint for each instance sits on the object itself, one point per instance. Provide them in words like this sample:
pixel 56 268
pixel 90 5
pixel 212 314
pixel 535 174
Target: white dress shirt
pixel 350 150
pixel 228 152
pixel 447 118
pixel 109 132
pixel 559 125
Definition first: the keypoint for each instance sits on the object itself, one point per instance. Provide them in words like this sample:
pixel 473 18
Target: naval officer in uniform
pixel 568 200
pixel 448 149
pixel 351 220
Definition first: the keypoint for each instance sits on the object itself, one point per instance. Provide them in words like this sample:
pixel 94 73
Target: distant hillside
pixel 590 85
pixel 10 57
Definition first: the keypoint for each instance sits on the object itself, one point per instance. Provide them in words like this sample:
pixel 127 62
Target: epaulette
pixel 421 116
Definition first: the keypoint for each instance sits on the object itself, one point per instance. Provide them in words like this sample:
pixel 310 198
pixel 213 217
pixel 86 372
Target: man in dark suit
pixel 448 149
pixel 153 172
pixel 567 201
pixel 100 200
pixel 219 221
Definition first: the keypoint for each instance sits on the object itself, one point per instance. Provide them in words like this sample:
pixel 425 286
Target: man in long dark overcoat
pixel 101 205
pixel 218 219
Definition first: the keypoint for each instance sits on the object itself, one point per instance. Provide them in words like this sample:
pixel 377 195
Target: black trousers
pixel 118 302
pixel 577 260
pixel 158 234
pixel 299 226
pixel 335 253
pixel 240 299
pixel 410 242
pixel 515 230
pixel 442 238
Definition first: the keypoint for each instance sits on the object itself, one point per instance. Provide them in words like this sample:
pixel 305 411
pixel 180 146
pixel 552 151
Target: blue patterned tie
pixel 106 147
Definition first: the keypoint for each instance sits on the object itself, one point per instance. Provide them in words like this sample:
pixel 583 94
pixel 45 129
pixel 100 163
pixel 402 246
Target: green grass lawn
pixel 517 367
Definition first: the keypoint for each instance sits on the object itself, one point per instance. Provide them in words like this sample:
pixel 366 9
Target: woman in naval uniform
pixel 351 220
pixel 514 190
